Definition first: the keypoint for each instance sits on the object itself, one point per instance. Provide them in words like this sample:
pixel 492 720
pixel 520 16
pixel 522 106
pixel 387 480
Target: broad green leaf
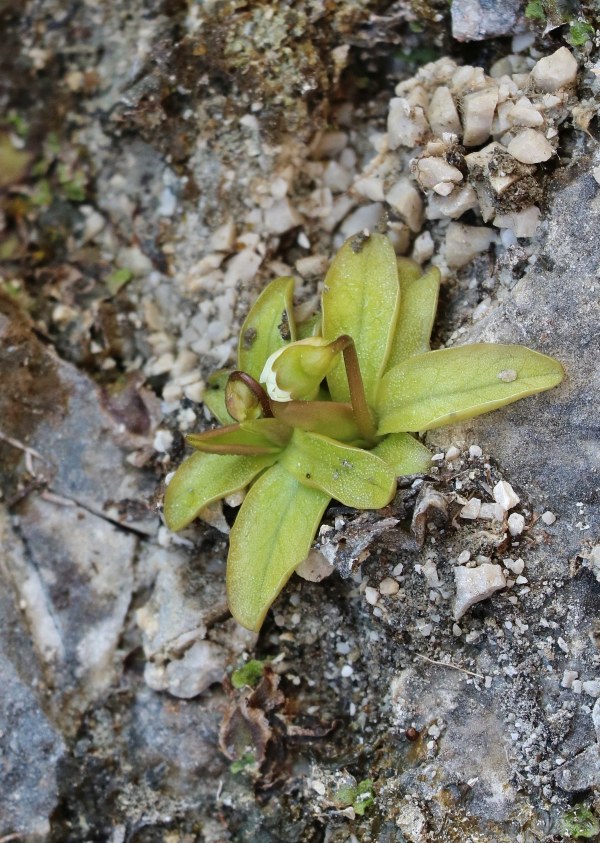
pixel 361 296
pixel 272 534
pixel 261 436
pixel 416 317
pixel 352 476
pixel 214 395
pixel 268 327
pixel 404 454
pixel 204 478
pixel 326 417
pixel 446 386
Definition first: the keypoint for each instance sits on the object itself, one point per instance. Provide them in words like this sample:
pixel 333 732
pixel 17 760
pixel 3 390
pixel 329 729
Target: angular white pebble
pixel 555 71
pixel 454 205
pixel 478 109
pixel 516 524
pixel 491 511
pixel 406 201
pixel 464 242
pixel 474 585
pixel 592 687
pixel 369 187
pixel 371 595
pixel 568 678
pixel 530 147
pixel 431 171
pixel 475 452
pixel 463 557
pixel 407 125
pixel 452 453
pixel 548 517
pixel 442 112
pixel 522 223
pixel 471 509
pixel 505 495
pixel 281 217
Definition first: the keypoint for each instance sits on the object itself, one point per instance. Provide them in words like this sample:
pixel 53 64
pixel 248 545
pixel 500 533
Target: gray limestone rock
pixel 551 442
pixel 474 20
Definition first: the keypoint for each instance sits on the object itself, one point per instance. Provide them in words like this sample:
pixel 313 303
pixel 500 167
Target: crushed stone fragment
pixel 474 585
pixel 505 495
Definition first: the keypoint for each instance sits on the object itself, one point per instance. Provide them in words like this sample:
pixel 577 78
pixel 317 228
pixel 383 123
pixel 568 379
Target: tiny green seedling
pixel 325 409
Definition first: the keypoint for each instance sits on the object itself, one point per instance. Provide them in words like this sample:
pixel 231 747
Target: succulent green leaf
pixel 204 478
pixel 351 475
pixel 261 436
pixel 404 454
pixel 326 417
pixel 361 296
pixel 214 395
pixel 416 317
pixel 446 386
pixel 268 327
pixel 272 534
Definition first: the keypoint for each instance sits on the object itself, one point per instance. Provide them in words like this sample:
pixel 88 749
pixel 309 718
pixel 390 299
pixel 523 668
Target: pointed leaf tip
pixel 453 384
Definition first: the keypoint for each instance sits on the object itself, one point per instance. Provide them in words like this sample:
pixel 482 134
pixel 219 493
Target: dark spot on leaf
pixel 284 327
pixel 249 338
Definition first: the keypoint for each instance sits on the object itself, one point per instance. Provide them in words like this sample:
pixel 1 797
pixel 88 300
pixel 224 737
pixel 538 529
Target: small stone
pixel 406 201
pixel 555 71
pixel 163 439
pixel 515 565
pixel 452 453
pixel 442 113
pixel 460 200
pixel 463 557
pixel 407 125
pixel 505 495
pixel 464 242
pixel 369 187
pixel 346 671
pixel 371 595
pixel 568 677
pixel 423 247
pixel 471 509
pixel 516 524
pixel 389 586
pixel 281 217
pixel 432 171
pixel 577 686
pixel 592 687
pixel 478 109
pixel 530 147
pixel 521 223
pixel 456 630
pixel 315 567
pixel 548 517
pixel 474 585
pixel 491 511
pixel 223 238
pixel 475 452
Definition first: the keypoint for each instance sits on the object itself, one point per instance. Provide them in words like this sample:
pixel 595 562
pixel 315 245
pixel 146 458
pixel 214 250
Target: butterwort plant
pixel 327 408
